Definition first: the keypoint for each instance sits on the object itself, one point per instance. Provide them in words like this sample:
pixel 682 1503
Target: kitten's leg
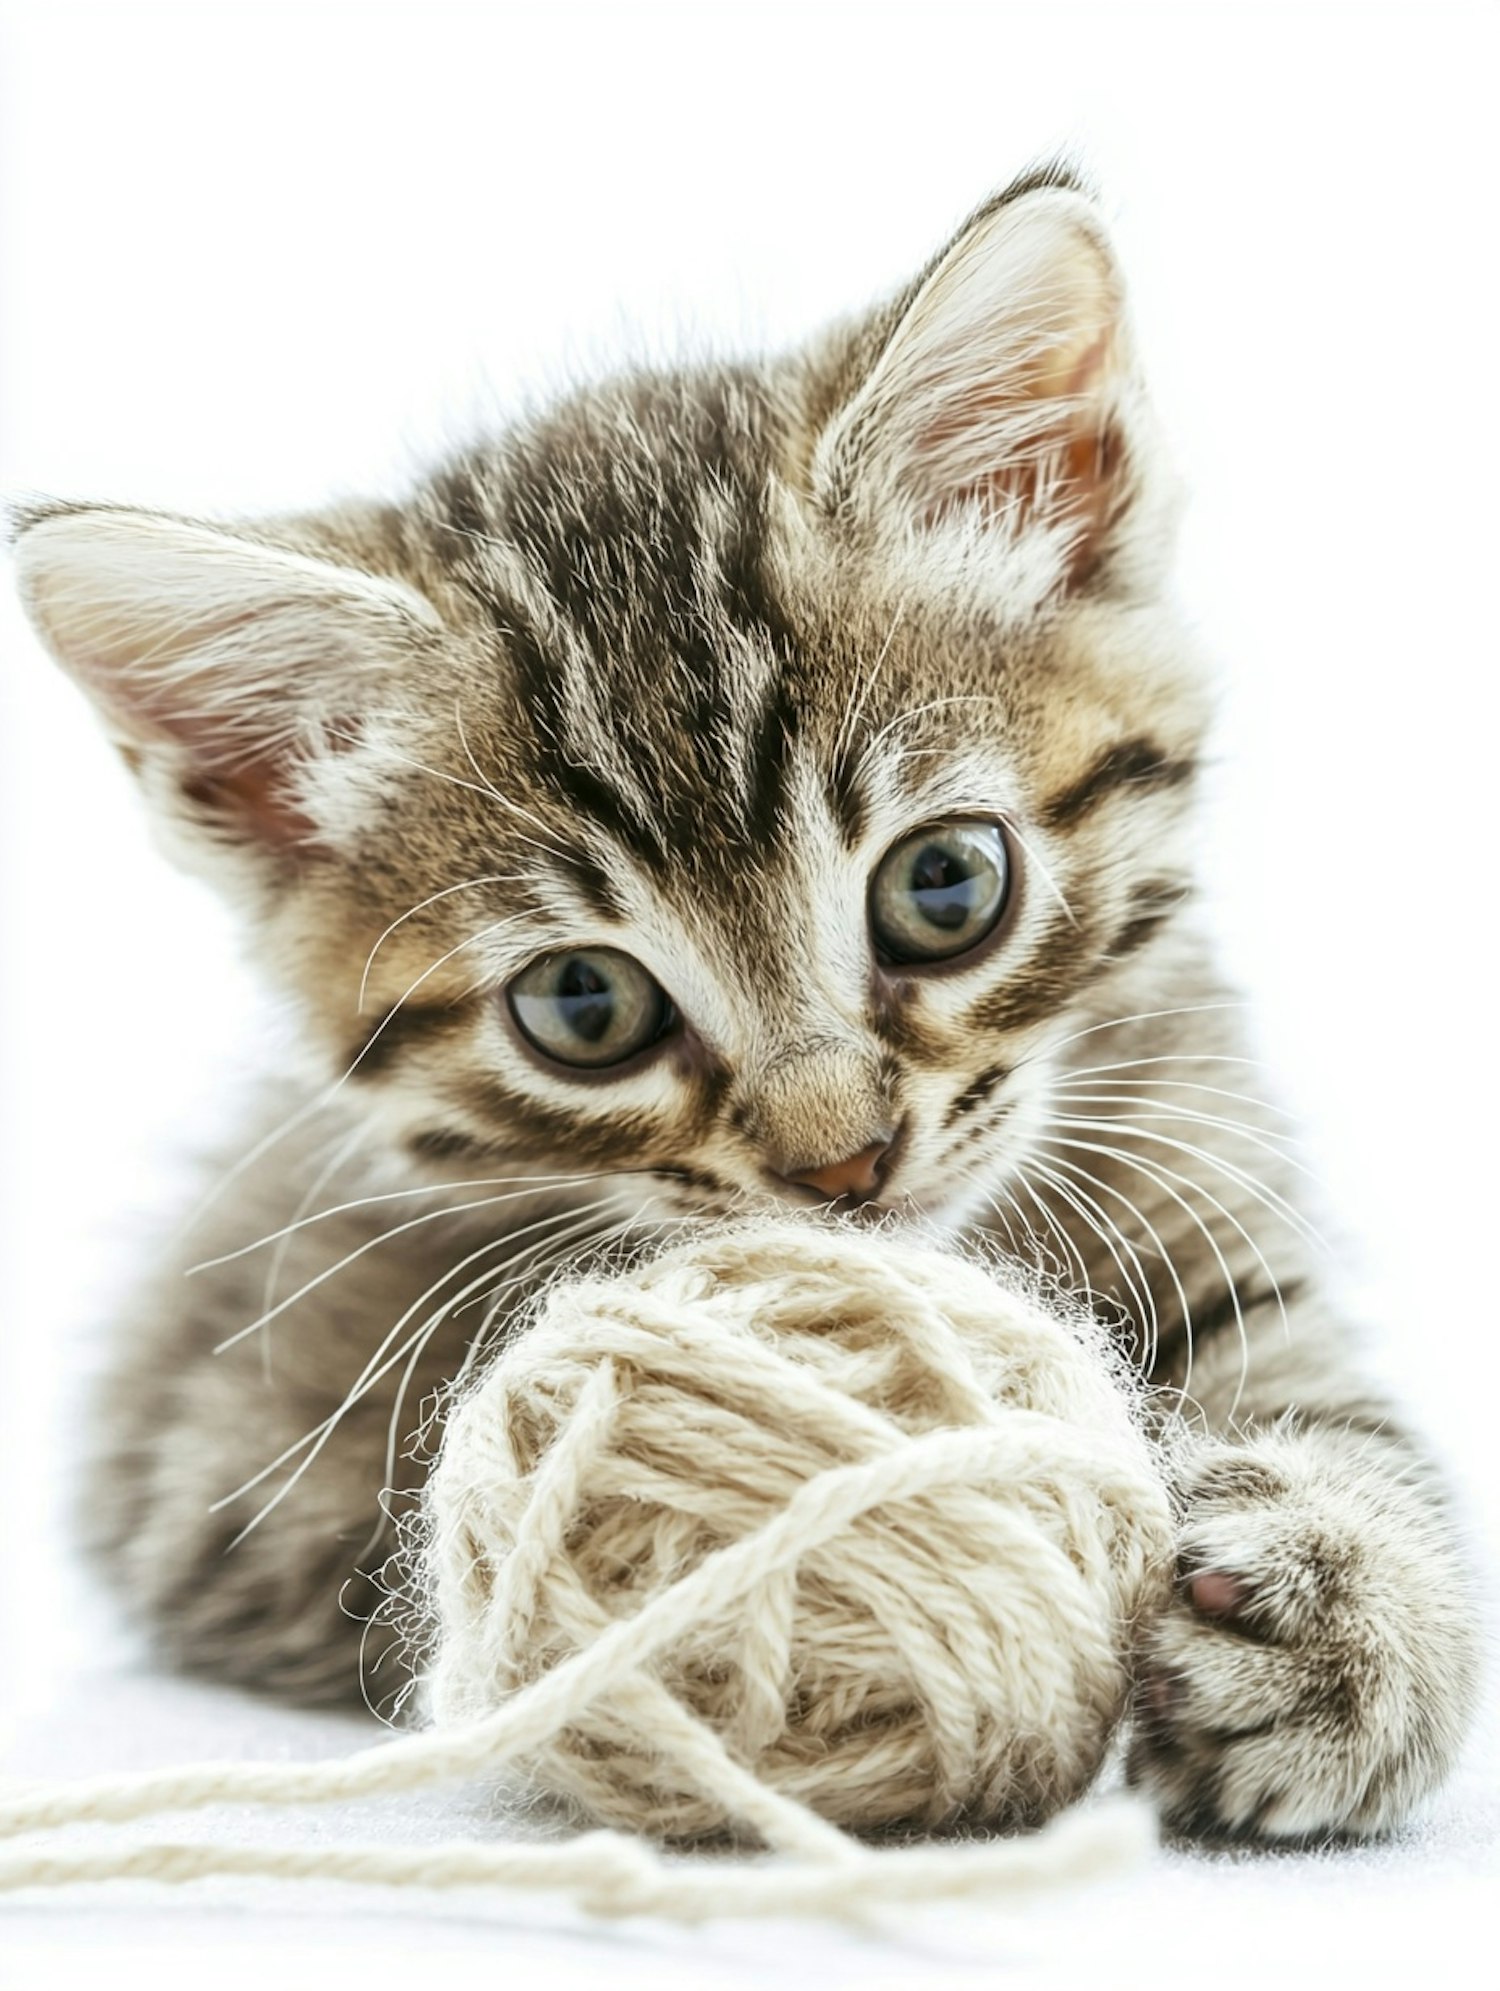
pixel 1317 1668
pixel 270 1588
pixel 273 1588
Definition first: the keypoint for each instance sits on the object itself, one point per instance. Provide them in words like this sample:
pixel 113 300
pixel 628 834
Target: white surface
pixel 253 255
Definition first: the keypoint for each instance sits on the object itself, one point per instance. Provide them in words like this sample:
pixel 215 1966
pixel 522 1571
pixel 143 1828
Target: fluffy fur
pixel 669 669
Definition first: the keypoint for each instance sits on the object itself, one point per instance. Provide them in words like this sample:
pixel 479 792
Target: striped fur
pixel 669 668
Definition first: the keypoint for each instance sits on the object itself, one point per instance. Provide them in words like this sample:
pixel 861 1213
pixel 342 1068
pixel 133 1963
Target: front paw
pixel 1315 1670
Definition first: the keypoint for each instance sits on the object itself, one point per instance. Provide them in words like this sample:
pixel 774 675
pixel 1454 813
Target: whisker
pixel 1164 1177
pixel 1148 1016
pixel 565 1256
pixel 546 1255
pixel 313 1442
pixel 317 1104
pixel 1158 1243
pixel 1056 1228
pixel 1070 1073
pixel 353 739
pixel 1260 1190
pixel 1076 1075
pixel 856 709
pixel 511 808
pixel 321 1100
pixel 1149 1109
pixel 1041 1254
pixel 343 1149
pixel 1142 1298
pixel 467 885
pixel 914 712
pixel 368 1244
pixel 1012 828
pixel 301 1223
pixel 372 1372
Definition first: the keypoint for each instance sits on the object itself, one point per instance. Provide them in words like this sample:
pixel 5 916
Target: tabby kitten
pixel 773 783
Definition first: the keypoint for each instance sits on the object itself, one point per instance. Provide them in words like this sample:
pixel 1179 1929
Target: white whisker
pixel 1013 829
pixel 312 1442
pixel 1164 1178
pixel 359 1251
pixel 1261 1191
pixel 1143 1301
pixel 1147 1016
pixel 846 732
pixel 1146 1109
pixel 467 885
pixel 1077 1075
pixel 1056 1228
pixel 547 1254
pixel 511 808
pixel 1158 1243
pixel 343 1149
pixel 301 1223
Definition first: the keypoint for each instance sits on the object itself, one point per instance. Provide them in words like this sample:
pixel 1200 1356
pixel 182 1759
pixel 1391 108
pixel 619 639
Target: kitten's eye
pixel 592 1007
pixel 940 892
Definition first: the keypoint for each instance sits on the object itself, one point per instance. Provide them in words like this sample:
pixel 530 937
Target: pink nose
pixel 857 1175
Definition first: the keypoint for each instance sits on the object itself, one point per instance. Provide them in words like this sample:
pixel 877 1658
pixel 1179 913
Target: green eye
pixel 593 1007
pixel 940 892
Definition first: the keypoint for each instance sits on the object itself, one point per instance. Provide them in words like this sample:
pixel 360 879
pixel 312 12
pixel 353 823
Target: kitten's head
pixel 737 780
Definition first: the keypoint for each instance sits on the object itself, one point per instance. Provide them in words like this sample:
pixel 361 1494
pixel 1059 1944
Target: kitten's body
pixel 673 671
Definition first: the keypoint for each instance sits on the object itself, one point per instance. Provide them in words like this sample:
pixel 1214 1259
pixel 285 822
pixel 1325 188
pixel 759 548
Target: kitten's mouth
pixel 866 1209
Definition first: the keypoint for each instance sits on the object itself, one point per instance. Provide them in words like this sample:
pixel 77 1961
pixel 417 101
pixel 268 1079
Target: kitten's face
pixel 736 783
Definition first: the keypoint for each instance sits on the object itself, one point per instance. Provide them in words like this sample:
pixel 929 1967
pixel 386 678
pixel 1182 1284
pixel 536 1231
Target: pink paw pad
pixel 1213 1594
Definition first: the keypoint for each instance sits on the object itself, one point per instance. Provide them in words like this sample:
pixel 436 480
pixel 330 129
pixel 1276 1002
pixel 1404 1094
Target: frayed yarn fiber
pixel 784 1535
pixel 942 1517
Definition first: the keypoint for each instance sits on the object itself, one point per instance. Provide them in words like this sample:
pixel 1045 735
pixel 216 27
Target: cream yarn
pixel 934 1519
pixel 791 1528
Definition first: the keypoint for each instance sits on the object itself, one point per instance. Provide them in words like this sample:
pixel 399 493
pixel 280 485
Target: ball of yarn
pixel 885 1519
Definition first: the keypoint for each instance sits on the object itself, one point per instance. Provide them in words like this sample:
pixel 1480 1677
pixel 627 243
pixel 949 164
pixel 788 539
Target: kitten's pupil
pixel 944 888
pixel 586 999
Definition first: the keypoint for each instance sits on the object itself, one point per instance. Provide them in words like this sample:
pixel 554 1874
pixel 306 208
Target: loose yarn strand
pixel 611 1874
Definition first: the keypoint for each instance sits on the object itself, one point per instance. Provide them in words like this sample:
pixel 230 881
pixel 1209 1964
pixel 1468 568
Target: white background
pixel 256 255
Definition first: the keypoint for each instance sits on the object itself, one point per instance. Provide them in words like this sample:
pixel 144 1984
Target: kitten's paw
pixel 1317 1666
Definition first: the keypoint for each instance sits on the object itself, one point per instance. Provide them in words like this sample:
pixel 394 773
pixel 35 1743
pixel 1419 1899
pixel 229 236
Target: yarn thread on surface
pixel 794 1528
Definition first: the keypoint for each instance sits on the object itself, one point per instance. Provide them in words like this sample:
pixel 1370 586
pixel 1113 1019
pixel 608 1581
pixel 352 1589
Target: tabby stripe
pixel 975 1093
pixel 694 1178
pixel 1135 933
pixel 778 728
pixel 1038 992
pixel 447 1144
pixel 1139 763
pixel 846 802
pixel 592 882
pixel 413 1023
pixel 541 683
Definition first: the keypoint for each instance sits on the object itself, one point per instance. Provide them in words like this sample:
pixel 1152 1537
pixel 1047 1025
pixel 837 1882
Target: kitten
pixel 765 781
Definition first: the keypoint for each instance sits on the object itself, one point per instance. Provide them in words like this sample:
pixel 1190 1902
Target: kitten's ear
pixel 1003 396
pixel 219 664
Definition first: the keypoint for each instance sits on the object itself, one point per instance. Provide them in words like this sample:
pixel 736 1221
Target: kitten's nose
pixel 856 1175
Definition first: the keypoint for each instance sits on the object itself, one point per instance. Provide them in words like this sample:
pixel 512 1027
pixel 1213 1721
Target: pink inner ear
pixel 255 796
pixel 247 791
pixel 254 792
pixel 1079 458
